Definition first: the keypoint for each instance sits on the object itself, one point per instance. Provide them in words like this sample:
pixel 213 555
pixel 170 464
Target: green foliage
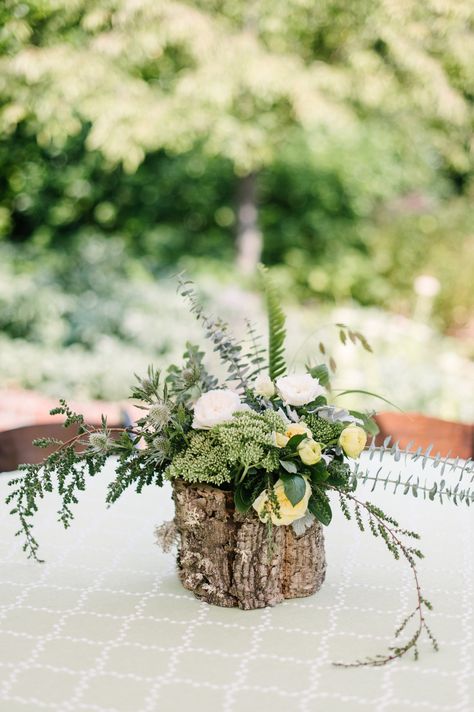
pixel 228 452
pixel 459 492
pixel 276 327
pixel 324 431
pixel 187 383
pixel 294 486
pixel 394 537
pixel 217 331
pixel 319 505
pixel 65 470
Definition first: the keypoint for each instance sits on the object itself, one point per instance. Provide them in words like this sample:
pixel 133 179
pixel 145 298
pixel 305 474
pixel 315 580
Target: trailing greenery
pixel 276 327
pixel 461 491
pixel 394 537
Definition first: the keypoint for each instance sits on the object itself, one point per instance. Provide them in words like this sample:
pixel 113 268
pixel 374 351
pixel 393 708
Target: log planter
pixel 224 559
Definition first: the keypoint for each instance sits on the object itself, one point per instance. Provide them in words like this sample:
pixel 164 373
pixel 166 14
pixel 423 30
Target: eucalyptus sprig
pixel 461 491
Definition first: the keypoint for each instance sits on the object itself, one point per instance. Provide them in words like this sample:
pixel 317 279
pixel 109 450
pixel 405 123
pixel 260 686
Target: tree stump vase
pixel 224 559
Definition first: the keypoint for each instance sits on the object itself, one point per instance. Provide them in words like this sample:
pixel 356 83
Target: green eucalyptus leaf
pixel 321 372
pixel 242 500
pixel 289 466
pixel 369 424
pixel 295 487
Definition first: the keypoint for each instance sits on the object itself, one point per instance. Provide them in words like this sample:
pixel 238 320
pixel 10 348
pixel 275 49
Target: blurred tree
pixel 239 79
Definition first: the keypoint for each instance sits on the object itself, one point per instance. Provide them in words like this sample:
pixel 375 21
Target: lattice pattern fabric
pixel 104 625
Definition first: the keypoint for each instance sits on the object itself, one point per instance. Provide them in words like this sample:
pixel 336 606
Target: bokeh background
pixel 330 140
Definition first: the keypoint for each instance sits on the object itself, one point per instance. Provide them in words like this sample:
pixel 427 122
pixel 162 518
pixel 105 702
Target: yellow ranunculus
pixel 280 439
pixel 288 513
pixel 353 440
pixel 298 429
pixel 309 451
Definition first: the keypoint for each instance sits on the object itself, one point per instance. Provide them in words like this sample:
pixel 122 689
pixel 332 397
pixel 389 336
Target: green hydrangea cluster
pixel 203 460
pixel 323 431
pixel 246 439
pixel 214 456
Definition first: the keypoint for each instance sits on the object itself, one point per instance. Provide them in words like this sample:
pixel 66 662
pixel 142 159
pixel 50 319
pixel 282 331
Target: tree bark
pixel 224 557
pixel 249 236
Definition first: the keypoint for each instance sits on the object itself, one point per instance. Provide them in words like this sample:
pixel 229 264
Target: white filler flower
pixel 215 407
pixel 298 389
pixel 263 386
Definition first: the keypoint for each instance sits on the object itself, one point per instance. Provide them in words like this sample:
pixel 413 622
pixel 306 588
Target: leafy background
pixel 331 140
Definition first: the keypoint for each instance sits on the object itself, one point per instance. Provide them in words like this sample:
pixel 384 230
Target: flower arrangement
pixel 259 461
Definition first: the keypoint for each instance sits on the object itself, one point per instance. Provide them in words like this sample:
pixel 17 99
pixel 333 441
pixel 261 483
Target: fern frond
pixel 276 327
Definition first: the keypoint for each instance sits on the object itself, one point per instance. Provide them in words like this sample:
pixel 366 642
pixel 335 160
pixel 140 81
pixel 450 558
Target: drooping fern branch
pixel 459 492
pixel 389 531
pixel 276 327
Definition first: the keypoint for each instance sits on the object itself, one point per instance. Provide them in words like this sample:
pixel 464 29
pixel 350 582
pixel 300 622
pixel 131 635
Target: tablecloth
pixel 104 625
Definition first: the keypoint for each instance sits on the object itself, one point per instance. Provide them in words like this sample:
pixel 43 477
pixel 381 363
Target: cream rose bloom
pixel 298 429
pixel 216 407
pixel 298 389
pixel 309 452
pixel 280 439
pixel 288 513
pixel 263 386
pixel 353 440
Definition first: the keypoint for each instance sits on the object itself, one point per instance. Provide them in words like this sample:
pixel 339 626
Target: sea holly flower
pixel 309 452
pixel 353 440
pixel 287 513
pixel 299 389
pixel 100 442
pixel 159 415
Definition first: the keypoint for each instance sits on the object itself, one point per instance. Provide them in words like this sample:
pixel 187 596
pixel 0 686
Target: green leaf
pixel 321 372
pixel 276 327
pixel 242 500
pixel 289 466
pixel 369 424
pixel 293 442
pixel 319 506
pixel 320 400
pixel 295 487
pixel 319 472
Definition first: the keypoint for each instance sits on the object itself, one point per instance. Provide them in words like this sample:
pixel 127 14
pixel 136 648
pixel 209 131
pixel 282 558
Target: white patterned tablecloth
pixel 104 625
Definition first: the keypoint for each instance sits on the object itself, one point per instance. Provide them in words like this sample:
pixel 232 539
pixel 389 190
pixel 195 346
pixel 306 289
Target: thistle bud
pixel 159 415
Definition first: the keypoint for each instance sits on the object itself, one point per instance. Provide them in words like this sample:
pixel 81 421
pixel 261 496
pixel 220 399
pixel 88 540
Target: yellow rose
pixel 280 439
pixel 298 429
pixel 288 513
pixel 353 440
pixel 309 451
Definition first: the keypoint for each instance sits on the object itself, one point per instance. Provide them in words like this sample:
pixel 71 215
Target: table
pixel 104 625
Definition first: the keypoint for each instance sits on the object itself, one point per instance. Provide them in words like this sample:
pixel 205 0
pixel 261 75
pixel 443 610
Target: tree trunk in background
pixel 249 236
pixel 223 556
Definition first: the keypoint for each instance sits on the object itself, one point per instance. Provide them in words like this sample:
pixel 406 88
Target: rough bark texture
pixel 223 556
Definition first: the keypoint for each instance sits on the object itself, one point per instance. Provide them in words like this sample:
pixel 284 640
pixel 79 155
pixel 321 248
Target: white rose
pixel 216 407
pixel 298 389
pixel 263 386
